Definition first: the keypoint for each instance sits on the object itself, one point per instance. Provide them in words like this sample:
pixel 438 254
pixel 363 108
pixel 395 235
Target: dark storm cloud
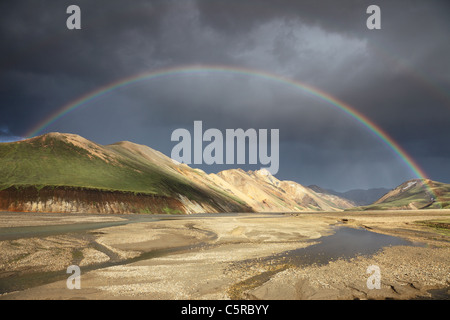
pixel 398 76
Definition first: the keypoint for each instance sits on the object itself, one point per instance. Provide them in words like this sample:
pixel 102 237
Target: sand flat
pixel 240 256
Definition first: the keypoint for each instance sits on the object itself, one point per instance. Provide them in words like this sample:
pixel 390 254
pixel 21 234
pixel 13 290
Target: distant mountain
pixel 59 172
pixel 414 194
pixel 360 197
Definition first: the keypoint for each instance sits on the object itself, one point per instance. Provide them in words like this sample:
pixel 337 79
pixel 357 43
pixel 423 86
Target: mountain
pixel 414 194
pixel 66 173
pixel 265 193
pixel 59 172
pixel 360 197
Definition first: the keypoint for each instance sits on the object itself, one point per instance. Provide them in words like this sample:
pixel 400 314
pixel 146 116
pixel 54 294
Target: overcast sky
pixel 398 76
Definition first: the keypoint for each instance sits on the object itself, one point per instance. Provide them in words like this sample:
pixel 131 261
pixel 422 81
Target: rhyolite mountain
pixel 264 192
pixel 59 172
pixel 414 194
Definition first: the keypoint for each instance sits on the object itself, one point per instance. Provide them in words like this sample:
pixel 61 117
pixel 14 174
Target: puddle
pixel 345 243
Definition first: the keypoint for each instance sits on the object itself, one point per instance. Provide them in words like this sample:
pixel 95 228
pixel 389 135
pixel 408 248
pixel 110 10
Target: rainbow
pixel 193 69
pixel 353 113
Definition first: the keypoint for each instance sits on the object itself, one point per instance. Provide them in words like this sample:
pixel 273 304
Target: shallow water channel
pixel 345 243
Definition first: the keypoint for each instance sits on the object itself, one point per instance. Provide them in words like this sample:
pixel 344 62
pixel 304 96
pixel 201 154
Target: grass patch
pixel 441 226
pixel 168 210
pixel 145 211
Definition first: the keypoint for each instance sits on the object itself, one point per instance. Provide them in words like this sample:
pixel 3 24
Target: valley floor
pixel 226 256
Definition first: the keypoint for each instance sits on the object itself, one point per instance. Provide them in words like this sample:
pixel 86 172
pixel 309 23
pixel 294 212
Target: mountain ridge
pixel 360 197
pixel 68 163
pixel 413 194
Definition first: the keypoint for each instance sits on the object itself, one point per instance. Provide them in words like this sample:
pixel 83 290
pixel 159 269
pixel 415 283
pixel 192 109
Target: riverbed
pixel 224 256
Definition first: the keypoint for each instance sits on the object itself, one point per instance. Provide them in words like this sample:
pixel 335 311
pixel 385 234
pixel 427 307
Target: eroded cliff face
pixel 81 200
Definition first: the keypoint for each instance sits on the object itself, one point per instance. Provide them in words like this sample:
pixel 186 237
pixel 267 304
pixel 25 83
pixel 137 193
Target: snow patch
pixel 409 185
